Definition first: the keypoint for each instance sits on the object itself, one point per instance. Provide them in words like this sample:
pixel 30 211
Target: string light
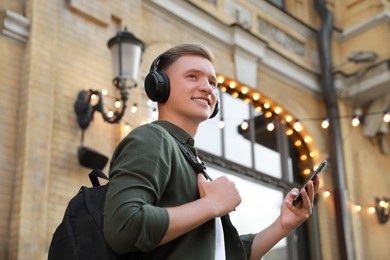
pixel 244 90
pixel 371 210
pixel 386 116
pixel 244 125
pixel 221 124
pixel 355 121
pixel 271 126
pixel 325 123
pixel 278 110
pixel 298 125
pixel 127 127
pixel 256 96
pixel 110 113
pixel 358 208
pixel 134 108
pixel 326 194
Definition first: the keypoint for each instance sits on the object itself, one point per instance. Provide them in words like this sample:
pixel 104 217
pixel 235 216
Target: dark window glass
pixel 278 3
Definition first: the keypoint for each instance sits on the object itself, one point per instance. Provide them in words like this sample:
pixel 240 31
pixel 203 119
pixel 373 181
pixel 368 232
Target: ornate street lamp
pixel 126 52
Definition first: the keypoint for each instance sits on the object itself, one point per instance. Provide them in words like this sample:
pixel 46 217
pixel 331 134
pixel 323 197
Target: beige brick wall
pixel 67 52
pixel 11 52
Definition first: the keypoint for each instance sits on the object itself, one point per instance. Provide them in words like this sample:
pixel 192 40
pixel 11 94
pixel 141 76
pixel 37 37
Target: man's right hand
pixel 221 193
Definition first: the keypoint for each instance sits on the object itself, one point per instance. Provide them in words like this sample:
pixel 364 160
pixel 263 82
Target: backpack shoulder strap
pixel 194 160
pixel 94 176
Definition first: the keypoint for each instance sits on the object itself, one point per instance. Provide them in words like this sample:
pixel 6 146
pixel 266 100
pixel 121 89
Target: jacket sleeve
pixel 247 241
pixel 139 172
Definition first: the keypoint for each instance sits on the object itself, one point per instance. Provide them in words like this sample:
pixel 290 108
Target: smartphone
pixel 319 169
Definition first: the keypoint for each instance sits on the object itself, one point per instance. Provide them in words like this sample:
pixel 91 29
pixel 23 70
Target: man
pixel 156 203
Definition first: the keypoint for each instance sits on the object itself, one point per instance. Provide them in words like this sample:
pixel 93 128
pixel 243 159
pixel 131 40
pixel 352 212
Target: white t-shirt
pixel 219 241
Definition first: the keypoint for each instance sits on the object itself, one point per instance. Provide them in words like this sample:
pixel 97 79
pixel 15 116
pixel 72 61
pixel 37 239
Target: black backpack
pixel 80 234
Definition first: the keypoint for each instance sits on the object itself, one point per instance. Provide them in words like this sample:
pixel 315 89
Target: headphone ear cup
pixel 216 109
pixel 157 86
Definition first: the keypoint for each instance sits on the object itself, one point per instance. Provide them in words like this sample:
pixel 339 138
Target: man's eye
pixel 192 76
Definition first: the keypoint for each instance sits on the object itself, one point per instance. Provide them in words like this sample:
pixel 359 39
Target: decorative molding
pixel 94 11
pixel 242 15
pixel 293 24
pixel 364 26
pixel 15 25
pixel 237 37
pixel 370 84
pixel 282 38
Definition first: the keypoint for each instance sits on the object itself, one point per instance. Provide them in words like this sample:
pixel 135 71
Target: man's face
pixel 193 84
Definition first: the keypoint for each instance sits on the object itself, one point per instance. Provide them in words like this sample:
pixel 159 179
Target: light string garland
pixel 295 129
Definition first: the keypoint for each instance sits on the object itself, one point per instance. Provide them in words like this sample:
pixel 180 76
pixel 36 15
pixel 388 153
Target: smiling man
pixel 157 206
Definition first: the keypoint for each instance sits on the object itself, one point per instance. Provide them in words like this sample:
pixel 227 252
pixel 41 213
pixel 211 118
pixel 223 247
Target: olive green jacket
pixel 149 173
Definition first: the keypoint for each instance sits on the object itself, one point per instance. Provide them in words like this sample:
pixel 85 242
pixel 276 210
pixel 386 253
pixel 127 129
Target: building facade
pixel 271 70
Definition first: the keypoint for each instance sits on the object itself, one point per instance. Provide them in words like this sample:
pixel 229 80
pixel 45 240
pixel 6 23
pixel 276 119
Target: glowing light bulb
pixel 325 123
pixel 358 208
pixel 297 126
pixel 386 116
pixel 326 194
pixel 221 124
pixel 244 125
pixel 271 126
pixel 355 121
pixel 134 108
pixel 127 127
pixel 268 114
pixel 278 110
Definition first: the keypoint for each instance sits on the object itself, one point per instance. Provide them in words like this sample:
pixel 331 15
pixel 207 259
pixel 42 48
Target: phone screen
pixel 319 169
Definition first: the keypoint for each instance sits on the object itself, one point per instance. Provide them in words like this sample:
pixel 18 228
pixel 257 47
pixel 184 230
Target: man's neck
pixel 191 127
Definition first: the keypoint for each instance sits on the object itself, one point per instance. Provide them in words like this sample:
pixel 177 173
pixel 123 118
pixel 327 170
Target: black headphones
pixel 157 86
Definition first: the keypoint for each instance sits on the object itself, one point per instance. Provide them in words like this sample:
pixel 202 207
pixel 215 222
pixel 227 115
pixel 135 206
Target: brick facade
pixel 65 51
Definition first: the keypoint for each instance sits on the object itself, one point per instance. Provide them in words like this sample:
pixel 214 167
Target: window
pixel 235 112
pixel 278 3
pixel 260 206
pixel 263 162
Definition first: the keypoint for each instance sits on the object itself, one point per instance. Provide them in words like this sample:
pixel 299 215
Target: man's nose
pixel 207 87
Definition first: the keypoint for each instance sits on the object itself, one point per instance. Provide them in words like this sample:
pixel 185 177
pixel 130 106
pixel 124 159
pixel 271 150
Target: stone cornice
pixel 238 37
pixel 363 26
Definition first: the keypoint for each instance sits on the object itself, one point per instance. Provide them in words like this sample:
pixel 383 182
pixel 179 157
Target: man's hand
pixel 293 216
pixel 220 193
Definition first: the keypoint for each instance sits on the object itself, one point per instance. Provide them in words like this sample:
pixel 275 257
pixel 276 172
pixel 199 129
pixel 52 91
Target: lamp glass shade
pixel 126 52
